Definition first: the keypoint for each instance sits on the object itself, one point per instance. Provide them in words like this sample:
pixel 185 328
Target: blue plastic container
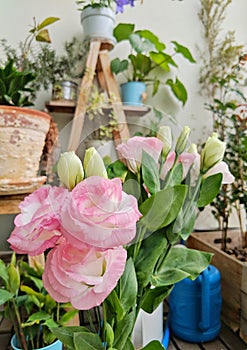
pixel 195 307
pixel 132 92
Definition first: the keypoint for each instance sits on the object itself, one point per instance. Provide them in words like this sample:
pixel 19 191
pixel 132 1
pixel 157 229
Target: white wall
pixel 169 19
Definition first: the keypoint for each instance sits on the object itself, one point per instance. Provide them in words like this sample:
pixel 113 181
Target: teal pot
pixel 132 92
pixel 57 345
pixel 98 23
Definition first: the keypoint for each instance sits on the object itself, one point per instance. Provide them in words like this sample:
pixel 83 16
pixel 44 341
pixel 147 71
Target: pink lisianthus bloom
pixel 132 150
pixel 100 214
pixel 187 160
pixel 84 277
pixel 223 168
pixel 37 227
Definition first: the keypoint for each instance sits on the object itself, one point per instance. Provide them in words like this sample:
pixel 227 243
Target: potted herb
pixel 147 60
pixel 29 307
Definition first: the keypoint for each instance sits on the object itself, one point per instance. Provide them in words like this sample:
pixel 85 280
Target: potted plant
pixel 23 130
pixel 147 56
pixel 98 19
pixel 221 84
pixel 29 307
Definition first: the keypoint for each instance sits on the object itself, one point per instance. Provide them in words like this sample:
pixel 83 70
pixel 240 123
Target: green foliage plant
pixel 28 306
pixel 221 77
pixel 19 74
pixel 148 59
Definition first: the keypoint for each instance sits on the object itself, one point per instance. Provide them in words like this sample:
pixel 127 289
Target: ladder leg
pixel 84 93
pixel 111 87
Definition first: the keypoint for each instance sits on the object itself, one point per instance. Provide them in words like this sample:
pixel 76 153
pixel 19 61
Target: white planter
pixel 148 327
pixel 98 23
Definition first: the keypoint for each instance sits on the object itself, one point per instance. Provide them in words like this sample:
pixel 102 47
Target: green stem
pixel 17 326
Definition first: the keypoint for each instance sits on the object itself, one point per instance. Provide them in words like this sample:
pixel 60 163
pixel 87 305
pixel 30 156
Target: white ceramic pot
pixel 98 23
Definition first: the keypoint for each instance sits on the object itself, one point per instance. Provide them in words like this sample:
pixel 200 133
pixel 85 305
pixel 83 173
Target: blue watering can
pixel 195 307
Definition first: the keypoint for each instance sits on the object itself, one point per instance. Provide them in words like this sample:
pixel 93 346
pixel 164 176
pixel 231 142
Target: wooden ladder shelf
pixel 98 64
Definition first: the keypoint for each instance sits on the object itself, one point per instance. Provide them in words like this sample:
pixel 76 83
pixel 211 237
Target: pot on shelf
pixel 98 23
pixel 132 93
pixel 22 138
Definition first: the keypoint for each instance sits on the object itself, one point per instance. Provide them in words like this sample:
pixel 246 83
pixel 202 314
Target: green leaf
pixel 162 208
pixel 39 316
pixel 66 334
pixel 151 249
pixel 43 36
pixel 154 345
pixel 150 173
pixel 184 51
pixel 119 66
pixel 47 21
pixel 153 297
pixel 5 296
pixel 163 60
pixel 69 315
pixel 178 90
pixel 3 272
pixel 14 278
pixel 179 264
pixel 209 189
pixel 128 287
pixel 147 34
pixel 87 341
pixel 31 291
pixel 115 304
pixel 123 30
pixel 140 45
pixel 122 331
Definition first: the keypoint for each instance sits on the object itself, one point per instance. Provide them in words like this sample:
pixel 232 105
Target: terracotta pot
pixel 22 136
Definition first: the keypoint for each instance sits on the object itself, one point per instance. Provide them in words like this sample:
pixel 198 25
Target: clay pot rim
pixel 30 111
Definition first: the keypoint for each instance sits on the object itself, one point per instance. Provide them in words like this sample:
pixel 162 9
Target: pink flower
pixel 223 168
pixel 132 150
pixel 84 277
pixel 100 214
pixel 187 160
pixel 37 227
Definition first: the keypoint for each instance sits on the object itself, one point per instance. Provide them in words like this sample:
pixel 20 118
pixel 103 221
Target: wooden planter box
pixel 233 280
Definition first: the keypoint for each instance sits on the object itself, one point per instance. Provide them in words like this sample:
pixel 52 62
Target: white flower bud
pixel 212 153
pixel 182 140
pixel 93 163
pixel 165 135
pixel 70 170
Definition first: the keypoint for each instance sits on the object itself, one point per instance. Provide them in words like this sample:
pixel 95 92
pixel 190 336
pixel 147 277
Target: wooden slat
pixel 112 90
pixel 214 345
pixel 180 344
pixel 231 339
pixel 85 90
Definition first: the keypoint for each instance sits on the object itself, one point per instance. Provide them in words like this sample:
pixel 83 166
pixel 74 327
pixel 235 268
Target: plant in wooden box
pixel 29 307
pixel 23 130
pixel 148 56
pixel 221 84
